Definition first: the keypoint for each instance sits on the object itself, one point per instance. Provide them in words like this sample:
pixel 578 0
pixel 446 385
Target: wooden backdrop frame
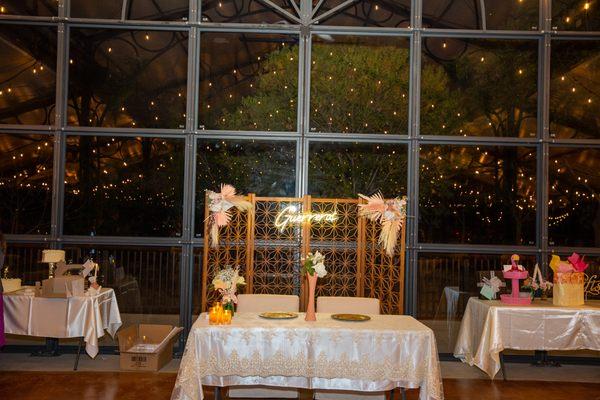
pixel 247 239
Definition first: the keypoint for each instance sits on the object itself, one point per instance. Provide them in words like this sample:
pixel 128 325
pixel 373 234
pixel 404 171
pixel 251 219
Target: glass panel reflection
pixel 575 89
pixel 259 167
pixel 247 11
pixel 145 279
pixel 26 163
pixel 22 261
pixel 27 74
pixel 470 14
pixel 38 8
pixel 575 15
pixel 123 186
pixel 149 10
pixel 574 205
pixel 387 13
pixel 133 79
pixel 359 84
pixel 445 282
pixel 248 81
pixel 479 87
pixel 477 194
pixel 345 169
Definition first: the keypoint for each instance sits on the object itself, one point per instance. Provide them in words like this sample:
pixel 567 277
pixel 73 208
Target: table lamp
pixel 51 257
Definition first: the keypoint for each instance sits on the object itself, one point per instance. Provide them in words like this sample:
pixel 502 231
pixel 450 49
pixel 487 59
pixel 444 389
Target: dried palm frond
pixel 389 235
pixel 241 204
pixel 214 234
pixel 227 191
pixel 374 208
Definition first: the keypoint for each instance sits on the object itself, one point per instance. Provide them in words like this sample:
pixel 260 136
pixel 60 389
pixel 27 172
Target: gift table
pixel 489 327
pixel 387 352
pixel 84 317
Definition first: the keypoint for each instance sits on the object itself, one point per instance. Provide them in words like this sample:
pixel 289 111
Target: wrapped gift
pixel 568 289
pixel 63 286
pixel 568 280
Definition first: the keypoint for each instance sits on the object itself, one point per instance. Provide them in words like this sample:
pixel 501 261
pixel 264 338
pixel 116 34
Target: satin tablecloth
pixel 488 327
pixel 386 352
pixel 72 317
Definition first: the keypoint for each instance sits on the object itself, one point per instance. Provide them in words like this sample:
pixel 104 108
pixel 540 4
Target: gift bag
pixel 568 289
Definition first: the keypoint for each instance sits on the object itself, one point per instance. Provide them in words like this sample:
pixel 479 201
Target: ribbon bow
pixel 494 282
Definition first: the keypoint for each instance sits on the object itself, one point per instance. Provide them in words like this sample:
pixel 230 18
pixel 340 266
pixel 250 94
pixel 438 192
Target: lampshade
pixel 53 256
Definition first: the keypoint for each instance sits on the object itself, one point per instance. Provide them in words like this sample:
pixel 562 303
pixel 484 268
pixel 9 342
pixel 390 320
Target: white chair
pixel 354 305
pixel 351 305
pixel 265 303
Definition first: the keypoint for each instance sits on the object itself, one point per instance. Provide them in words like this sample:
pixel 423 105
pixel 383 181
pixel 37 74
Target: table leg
pixel 502 366
pixel 50 350
pixel 78 353
pixel 403 392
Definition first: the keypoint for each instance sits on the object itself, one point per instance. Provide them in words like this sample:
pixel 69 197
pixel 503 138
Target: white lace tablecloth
pixel 386 352
pixel 71 317
pixel 488 327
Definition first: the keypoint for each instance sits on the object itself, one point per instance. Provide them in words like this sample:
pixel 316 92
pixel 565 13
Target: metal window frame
pixel 305 28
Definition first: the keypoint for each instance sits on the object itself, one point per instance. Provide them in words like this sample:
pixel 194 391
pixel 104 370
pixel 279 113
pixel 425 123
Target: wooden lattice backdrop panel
pixel 271 259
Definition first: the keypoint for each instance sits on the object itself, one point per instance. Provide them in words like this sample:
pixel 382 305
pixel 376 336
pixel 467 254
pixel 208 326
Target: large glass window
pixel 479 87
pixel 133 79
pixel 359 84
pixel 574 205
pixel 392 13
pixel 575 15
pixel 248 81
pixel 265 168
pixel 135 9
pixel 123 186
pixel 575 89
pixel 22 261
pixel 146 280
pixel 25 183
pixel 481 14
pixel 248 11
pixel 346 169
pixel 27 74
pixel 38 8
pixel 477 194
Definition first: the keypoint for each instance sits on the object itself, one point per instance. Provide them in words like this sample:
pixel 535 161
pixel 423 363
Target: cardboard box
pixel 63 286
pixel 146 347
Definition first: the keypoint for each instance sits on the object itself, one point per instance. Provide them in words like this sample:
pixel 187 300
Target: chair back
pixel 355 305
pixel 267 303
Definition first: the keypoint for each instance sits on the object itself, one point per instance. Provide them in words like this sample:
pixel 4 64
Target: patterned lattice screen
pixel 271 256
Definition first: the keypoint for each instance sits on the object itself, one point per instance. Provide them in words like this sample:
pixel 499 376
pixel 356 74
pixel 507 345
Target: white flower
pixel 318 258
pixel 320 269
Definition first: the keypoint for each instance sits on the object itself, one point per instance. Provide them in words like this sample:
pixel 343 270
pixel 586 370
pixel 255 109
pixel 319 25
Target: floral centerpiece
pixel 314 267
pixel 220 205
pixel 390 213
pixel 538 286
pixel 226 282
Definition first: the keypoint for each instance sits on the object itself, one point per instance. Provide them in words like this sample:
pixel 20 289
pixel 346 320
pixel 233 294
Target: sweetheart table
pixel 387 352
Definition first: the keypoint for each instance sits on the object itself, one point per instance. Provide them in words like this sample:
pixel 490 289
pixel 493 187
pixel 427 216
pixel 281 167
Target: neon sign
pixel 290 215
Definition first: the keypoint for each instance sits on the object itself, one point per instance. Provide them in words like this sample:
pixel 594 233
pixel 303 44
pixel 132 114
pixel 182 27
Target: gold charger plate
pixel 350 317
pixel 278 315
